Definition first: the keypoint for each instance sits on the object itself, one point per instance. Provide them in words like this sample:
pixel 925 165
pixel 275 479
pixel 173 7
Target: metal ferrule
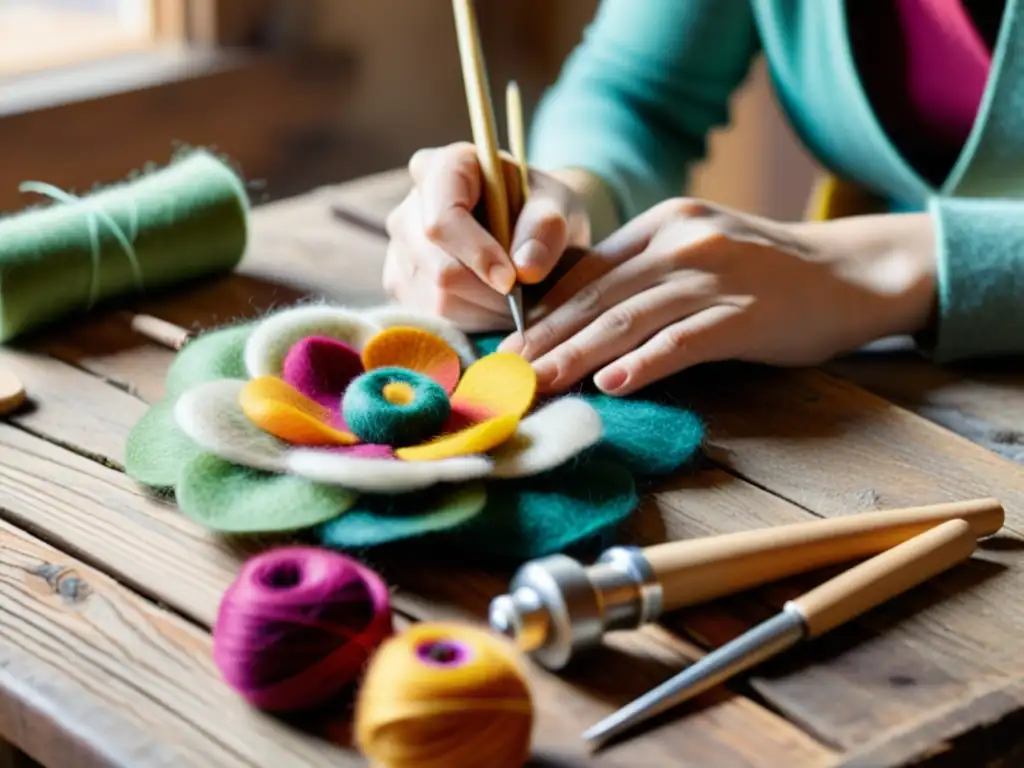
pixel 556 607
pixel 628 587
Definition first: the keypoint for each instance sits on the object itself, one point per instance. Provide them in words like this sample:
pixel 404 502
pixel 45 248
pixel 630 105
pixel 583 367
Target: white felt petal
pixel 391 315
pixel 269 343
pixel 210 415
pixel 383 475
pixel 549 437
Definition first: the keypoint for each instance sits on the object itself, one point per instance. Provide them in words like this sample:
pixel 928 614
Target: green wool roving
pixel 184 221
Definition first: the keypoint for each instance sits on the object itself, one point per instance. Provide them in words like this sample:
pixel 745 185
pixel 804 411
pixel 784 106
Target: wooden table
pixel 107 595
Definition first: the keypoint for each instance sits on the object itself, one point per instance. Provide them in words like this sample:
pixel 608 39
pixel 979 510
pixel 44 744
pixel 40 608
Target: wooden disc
pixel 12 392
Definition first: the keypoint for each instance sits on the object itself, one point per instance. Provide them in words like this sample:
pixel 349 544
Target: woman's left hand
pixel 688 283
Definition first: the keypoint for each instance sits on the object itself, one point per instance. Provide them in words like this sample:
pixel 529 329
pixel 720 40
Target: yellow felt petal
pixel 276 407
pixel 501 384
pixel 415 349
pixel 479 438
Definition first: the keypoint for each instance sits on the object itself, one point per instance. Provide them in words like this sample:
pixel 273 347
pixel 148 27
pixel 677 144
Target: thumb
pixel 540 238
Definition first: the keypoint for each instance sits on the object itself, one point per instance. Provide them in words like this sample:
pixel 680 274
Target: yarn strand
pixel 156 230
pixel 96 213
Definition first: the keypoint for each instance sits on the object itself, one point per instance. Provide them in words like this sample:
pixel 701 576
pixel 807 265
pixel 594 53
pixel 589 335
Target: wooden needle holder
pixel 557 607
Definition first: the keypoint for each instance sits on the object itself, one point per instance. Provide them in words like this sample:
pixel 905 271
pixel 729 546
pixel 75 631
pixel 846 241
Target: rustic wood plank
pixel 961 729
pixel 120 522
pixel 93 675
pixel 879 702
pixel 982 402
pixel 124 522
pixel 708 502
pixel 73 408
pixel 104 519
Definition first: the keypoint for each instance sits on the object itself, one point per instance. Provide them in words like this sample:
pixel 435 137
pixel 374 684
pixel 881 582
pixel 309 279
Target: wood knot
pixel 1008 437
pixel 63 581
pixel 902 681
pixel 867 499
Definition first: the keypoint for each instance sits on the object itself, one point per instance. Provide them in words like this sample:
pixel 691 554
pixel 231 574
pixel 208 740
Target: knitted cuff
pixel 980 278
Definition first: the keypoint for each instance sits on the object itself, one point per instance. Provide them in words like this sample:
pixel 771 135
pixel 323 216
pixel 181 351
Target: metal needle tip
pixel 515 303
pixel 760 643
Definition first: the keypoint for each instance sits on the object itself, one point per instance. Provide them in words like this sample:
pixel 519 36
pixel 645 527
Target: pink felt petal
pixel 363 451
pixel 465 415
pixel 321 368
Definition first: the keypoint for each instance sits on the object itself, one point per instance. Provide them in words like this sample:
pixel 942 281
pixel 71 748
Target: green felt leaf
pixel 382 519
pixel 234 499
pixel 214 355
pixel 647 437
pixel 548 513
pixel 157 451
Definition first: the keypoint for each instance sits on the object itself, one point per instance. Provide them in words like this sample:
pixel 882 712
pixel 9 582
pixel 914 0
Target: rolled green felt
pixel 186 220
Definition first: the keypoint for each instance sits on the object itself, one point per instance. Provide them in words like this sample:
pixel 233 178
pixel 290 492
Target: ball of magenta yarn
pixel 298 625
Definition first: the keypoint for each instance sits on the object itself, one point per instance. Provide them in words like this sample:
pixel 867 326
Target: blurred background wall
pixel 409 90
pixel 301 93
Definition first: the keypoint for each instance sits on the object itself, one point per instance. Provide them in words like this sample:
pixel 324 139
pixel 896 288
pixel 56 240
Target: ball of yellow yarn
pixel 443 695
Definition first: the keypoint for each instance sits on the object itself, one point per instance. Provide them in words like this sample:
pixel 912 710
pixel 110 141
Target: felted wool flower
pixel 373 426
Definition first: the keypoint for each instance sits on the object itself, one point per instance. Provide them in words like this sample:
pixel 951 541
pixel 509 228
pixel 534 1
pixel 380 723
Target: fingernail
pixel 502 277
pixel 546 374
pixel 610 379
pixel 512 344
pixel 529 255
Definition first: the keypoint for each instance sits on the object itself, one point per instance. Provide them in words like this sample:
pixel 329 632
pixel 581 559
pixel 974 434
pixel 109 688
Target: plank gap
pixel 78 450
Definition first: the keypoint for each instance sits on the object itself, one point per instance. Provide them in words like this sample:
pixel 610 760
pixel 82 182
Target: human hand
pixel 688 283
pixel 441 260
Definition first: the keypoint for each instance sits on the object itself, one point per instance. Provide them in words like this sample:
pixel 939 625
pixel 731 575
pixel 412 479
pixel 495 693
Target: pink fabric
pixel 947 65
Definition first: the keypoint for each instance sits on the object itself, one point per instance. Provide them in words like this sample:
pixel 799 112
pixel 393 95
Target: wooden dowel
pixel 159 331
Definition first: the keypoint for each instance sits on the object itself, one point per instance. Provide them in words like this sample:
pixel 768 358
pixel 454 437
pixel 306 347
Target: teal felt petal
pixel 487 343
pixel 383 519
pixel 210 356
pixel 647 437
pixel 235 499
pixel 157 451
pixel 548 513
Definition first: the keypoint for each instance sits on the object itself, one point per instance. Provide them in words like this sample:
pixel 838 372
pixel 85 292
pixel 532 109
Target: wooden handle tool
pixel 481 114
pixel 556 607
pixel 835 602
pixel 517 143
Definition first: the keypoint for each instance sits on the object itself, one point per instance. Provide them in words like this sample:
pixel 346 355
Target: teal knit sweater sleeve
pixel 637 98
pixel 981 278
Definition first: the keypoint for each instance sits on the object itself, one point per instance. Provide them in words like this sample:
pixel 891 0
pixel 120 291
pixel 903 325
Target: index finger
pixel 450 189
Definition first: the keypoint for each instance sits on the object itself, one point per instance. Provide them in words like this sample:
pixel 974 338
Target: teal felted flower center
pixel 395 406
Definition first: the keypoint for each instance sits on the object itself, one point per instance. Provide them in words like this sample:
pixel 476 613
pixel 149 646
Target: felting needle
pixel 813 614
pixel 481 115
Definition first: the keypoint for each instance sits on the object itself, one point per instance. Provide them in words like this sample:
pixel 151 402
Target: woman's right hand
pixel 442 261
